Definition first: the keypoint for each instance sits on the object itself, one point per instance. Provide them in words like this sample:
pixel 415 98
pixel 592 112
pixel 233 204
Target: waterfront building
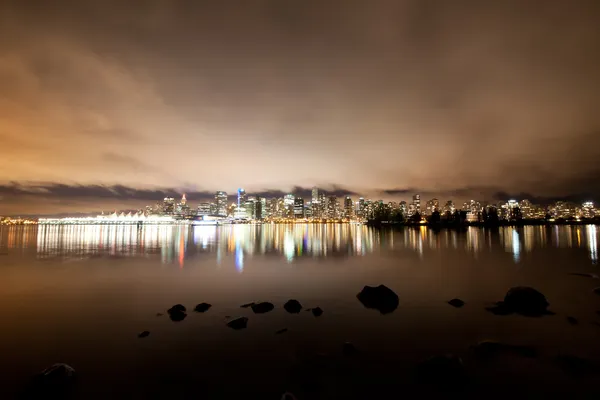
pixel 221 203
pixel 241 198
pixel 348 209
pixel 203 209
pixel 416 201
pixel 168 207
pixel 298 208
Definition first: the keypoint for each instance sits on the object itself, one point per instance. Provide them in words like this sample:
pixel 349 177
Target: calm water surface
pixel 81 294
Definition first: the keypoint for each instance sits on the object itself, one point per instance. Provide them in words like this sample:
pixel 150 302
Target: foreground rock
pixel 293 306
pixel 56 381
pixel 202 307
pixel 445 372
pixel 144 334
pixel 348 349
pixel 379 297
pixel 238 323
pixel 177 313
pixel 283 330
pixel 576 366
pixel 261 308
pixel 317 311
pixel 522 300
pixel 456 303
pixel 490 348
pixel 247 305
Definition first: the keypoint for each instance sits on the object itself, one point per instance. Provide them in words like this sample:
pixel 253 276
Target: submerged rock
pixel 55 381
pixel 584 274
pixel 379 297
pixel 283 330
pixel 572 320
pixel 348 349
pixel 261 308
pixel 159 314
pixel 317 311
pixel 490 348
pixel 443 372
pixel 177 313
pixel 238 323
pixel 456 303
pixel 522 300
pixel 144 334
pixel 202 307
pixel 292 306
pixel 247 305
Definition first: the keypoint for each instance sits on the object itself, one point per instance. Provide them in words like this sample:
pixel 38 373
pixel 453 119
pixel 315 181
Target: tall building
pixel 299 208
pixel 221 203
pixel 332 207
pixel 417 202
pixel 360 209
pixel 288 204
pixel 241 198
pixel 403 208
pixel 526 208
pixel 250 207
pixel 316 203
pixel 449 207
pixel 203 209
pixel 588 210
pixel 168 207
pixel 432 206
pixel 348 207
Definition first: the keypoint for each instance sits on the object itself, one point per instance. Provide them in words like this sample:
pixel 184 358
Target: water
pixel 81 295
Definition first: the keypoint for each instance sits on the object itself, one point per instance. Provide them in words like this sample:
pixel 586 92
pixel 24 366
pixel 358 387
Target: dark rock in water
pixel 202 307
pixel 144 334
pixel 177 308
pixel 443 372
pixel 261 308
pixel 597 290
pixel 380 298
pixel 572 320
pixel 317 311
pixel 575 366
pixel 490 348
pixel 522 300
pixel 585 275
pixel 247 305
pixel 348 349
pixel 456 303
pixel 238 323
pixel 293 306
pixel 177 313
pixel 158 314
pixel 55 381
pixel 281 331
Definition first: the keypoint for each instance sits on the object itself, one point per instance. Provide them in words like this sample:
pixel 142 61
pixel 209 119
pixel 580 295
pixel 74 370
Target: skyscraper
pixel 288 203
pixel 203 209
pixel 299 207
pixel 333 207
pixel 316 203
pixel 417 203
pixel 241 194
pixel 360 211
pixel 348 207
pixel 168 206
pixel 221 202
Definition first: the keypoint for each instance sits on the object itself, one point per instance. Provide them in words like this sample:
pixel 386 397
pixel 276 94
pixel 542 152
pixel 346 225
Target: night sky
pixel 111 103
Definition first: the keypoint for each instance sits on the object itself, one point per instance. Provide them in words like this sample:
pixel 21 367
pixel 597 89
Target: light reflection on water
pixel 175 244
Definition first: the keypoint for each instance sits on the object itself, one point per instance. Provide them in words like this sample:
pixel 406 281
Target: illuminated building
pixel 213 208
pixel 221 203
pixel 432 206
pixel 316 204
pixel 526 209
pixel 416 201
pixel 360 209
pixel 288 204
pixel 348 207
pixel 203 209
pixel 168 206
pixel 241 198
pixel 333 207
pixel 308 210
pixel 250 207
pixel 449 207
pixel 403 208
pixel 298 208
pixel 588 210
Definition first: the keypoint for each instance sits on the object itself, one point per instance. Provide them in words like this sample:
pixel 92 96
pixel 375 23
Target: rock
pixel 380 298
pixel 238 323
pixel 348 349
pixel 597 290
pixel 177 313
pixel 202 307
pixel 522 300
pixel 177 307
pixel 443 372
pixel 317 311
pixel 281 331
pixel 456 303
pixel 572 320
pixel 144 334
pixel 490 348
pixel 158 314
pixel 575 366
pixel 55 381
pixel 261 308
pixel 247 305
pixel 292 306
pixel 585 275
pixel 288 396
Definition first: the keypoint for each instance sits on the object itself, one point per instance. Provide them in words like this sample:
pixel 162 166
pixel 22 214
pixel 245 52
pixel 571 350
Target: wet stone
pixel 261 308
pixel 456 303
pixel 144 334
pixel 317 311
pixel 380 298
pixel 292 306
pixel 238 323
pixel 202 307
